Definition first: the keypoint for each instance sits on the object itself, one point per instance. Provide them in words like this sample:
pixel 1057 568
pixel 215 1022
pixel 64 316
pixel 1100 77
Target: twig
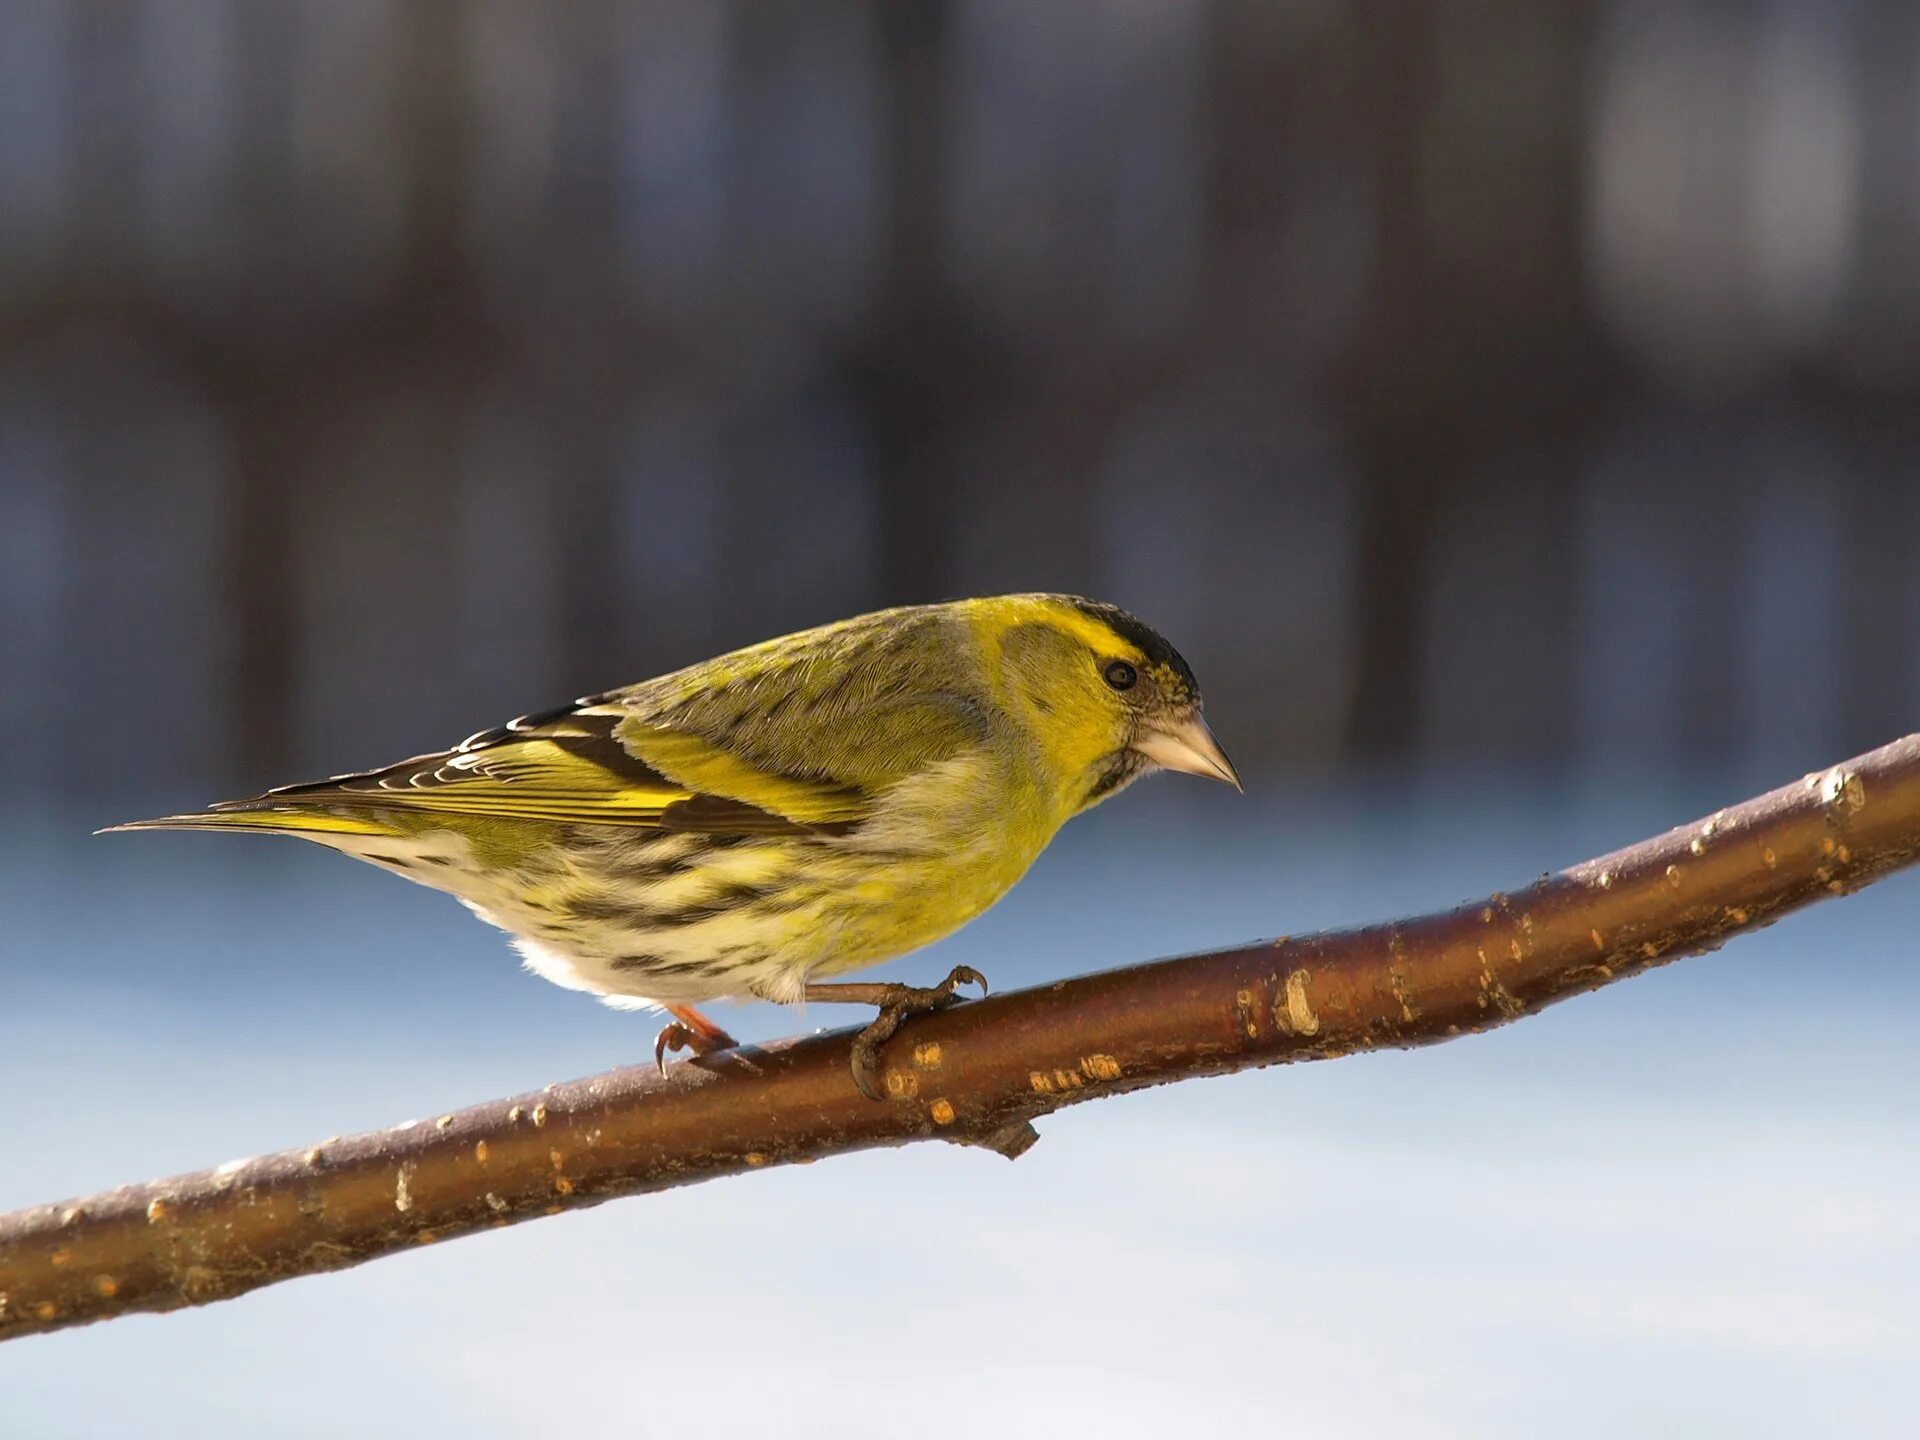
pixel 977 1074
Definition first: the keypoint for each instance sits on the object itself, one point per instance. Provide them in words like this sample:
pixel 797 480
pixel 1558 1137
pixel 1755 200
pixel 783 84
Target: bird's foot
pixel 690 1030
pixel 896 1003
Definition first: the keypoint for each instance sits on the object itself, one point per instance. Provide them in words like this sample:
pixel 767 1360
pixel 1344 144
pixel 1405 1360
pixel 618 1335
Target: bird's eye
pixel 1121 676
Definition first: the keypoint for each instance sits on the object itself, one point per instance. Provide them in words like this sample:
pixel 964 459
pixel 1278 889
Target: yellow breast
pixel 946 844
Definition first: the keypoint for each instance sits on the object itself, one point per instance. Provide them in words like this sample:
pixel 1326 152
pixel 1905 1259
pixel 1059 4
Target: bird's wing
pixel 808 733
pixel 567 766
pixel 817 726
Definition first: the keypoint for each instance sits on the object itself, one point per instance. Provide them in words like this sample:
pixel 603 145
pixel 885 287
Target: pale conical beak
pixel 1187 745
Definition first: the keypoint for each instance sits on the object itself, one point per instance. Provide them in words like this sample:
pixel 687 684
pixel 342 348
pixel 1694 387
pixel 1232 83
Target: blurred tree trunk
pixel 916 371
pixel 1401 440
pixel 259 578
pixel 1476 352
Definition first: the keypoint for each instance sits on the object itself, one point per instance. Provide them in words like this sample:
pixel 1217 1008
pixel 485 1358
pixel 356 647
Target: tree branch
pixel 977 1074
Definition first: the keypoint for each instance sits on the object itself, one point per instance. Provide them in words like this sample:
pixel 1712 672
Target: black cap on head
pixel 1151 643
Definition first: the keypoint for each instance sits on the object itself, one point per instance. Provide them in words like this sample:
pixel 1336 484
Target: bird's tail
pixel 265 817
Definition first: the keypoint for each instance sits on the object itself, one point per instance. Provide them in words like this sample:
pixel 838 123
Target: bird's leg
pixel 690 1030
pixel 896 1003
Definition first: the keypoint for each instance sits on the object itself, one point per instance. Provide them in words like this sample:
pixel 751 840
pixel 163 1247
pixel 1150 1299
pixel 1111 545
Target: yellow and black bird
pixel 798 809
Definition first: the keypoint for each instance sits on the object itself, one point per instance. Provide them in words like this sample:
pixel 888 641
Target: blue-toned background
pixel 1512 410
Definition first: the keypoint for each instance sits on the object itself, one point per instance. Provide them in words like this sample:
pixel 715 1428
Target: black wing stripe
pixel 591 738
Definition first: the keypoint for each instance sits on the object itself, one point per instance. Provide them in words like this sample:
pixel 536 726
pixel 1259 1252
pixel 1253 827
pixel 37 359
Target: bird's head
pixel 1102 695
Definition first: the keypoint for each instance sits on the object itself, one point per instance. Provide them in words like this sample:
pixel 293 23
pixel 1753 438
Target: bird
pixel 753 824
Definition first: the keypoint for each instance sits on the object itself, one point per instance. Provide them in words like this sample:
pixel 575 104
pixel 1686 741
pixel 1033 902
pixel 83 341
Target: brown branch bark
pixel 977 1074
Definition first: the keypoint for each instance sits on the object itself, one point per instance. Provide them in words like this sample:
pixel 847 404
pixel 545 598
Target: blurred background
pixel 1512 409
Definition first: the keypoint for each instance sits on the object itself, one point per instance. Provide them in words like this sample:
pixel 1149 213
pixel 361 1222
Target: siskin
pixel 798 809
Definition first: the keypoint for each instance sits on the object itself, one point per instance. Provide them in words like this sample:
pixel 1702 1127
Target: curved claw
pixel 967 975
pixel 864 1055
pixel 678 1036
pixel 675 1037
pixel 866 1066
